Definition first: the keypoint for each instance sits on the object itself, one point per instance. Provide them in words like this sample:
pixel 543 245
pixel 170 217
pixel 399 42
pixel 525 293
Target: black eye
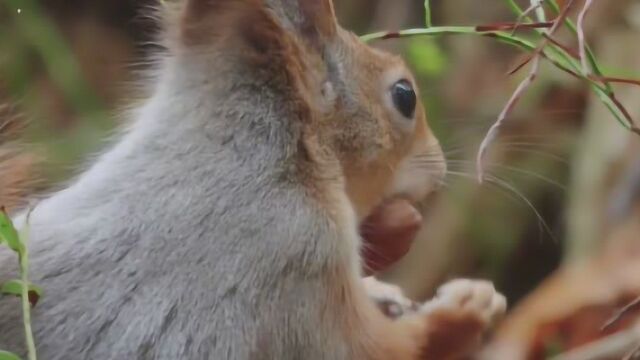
pixel 404 98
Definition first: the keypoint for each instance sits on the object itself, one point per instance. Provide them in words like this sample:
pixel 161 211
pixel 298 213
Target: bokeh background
pixel 556 225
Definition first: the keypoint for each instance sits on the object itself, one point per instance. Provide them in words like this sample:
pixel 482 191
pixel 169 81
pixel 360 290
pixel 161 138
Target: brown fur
pixel 17 178
pixel 348 154
pixel 335 154
pixel 17 166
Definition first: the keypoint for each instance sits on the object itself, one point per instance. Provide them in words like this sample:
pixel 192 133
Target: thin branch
pixel 533 7
pixel 620 313
pixel 625 112
pixel 606 95
pixel 520 90
pixel 427 13
pixel 513 101
pixel 555 42
pixel 573 53
pixel 614 346
pixel 520 65
pixel 539 9
pixel 603 80
pixel 514 26
pixel 590 55
pixel 615 80
pixel 489 30
pixel 562 57
pixel 633 354
pixel 582 44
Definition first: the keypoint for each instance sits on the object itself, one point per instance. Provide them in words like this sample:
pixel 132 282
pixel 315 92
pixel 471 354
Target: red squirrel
pixel 224 222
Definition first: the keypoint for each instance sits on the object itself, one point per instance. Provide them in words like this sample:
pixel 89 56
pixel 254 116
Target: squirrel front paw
pixel 458 318
pixel 389 298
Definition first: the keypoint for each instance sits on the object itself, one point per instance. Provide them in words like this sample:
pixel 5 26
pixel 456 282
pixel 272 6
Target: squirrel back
pixel 224 223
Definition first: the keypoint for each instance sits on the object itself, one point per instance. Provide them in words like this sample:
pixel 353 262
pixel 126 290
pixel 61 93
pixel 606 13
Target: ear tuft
pixel 198 9
pixel 319 18
pixel 248 22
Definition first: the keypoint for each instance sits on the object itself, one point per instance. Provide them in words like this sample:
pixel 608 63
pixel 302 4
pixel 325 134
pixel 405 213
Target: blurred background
pixel 556 225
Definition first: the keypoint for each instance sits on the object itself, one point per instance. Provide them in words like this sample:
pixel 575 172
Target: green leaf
pixel 8 233
pixel 4 355
pixel 14 287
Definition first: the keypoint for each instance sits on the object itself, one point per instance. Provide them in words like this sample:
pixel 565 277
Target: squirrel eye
pixel 404 98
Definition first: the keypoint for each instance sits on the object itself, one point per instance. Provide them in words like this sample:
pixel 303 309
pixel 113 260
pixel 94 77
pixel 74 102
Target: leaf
pixel 5 355
pixel 14 287
pixel 8 233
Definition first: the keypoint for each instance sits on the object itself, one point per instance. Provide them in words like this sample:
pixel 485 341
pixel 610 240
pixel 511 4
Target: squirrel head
pixel 357 108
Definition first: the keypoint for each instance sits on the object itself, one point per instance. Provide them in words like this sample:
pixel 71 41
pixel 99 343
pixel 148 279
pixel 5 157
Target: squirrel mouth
pixel 388 233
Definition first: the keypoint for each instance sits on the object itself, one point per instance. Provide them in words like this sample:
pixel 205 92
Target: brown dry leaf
pixel 571 307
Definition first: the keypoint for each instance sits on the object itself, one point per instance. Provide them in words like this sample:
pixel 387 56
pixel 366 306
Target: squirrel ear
pixel 319 18
pixel 248 20
pixel 313 20
pixel 210 11
pixel 195 10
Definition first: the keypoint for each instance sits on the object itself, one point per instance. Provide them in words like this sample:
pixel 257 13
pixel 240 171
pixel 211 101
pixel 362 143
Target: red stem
pixel 513 26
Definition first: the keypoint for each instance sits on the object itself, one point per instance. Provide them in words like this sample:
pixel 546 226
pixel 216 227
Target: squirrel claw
pixel 457 319
pixel 460 316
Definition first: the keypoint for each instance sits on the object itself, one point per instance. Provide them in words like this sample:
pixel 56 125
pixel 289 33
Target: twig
pixel 609 79
pixel 614 346
pixel 605 81
pixel 583 48
pixel 561 56
pixel 620 313
pixel 514 26
pixel 539 9
pixel 625 112
pixel 520 90
pixel 4 125
pixel 590 55
pixel 633 353
pixel 513 101
pixel 427 13
pixel 533 7
pixel 582 44
pixel 566 48
pixel 594 79
pixel 555 42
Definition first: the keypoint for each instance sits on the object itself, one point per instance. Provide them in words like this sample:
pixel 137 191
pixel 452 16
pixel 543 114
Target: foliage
pixel 581 64
pixel 30 293
pixel 8 356
pixel 32 43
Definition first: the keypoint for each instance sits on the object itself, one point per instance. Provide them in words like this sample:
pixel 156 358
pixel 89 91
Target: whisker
pixel 423 160
pixel 515 170
pixel 544 154
pixel 512 193
pixel 450 163
pixel 532 174
pixel 527 143
pixel 522 197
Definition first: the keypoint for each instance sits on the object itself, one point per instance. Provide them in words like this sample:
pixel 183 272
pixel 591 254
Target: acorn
pixel 388 234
